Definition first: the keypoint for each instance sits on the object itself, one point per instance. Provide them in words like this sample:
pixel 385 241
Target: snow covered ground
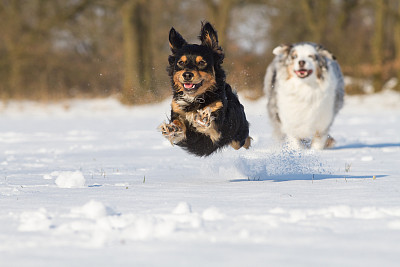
pixel 93 182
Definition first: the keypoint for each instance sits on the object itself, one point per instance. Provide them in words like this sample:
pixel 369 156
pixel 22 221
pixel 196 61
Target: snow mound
pixel 95 225
pixel 92 210
pixel 147 227
pixel 33 221
pixel 70 179
pixel 182 208
pixel 212 214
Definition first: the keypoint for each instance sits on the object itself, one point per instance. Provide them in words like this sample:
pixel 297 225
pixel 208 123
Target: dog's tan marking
pixel 210 131
pixel 208 40
pixel 199 58
pixel 330 142
pixel 208 82
pixel 203 122
pixel 247 143
pixel 289 70
pixel 189 116
pixel 183 59
pixel 290 67
pixel 177 81
pixel 177 108
pixel 180 124
pixel 215 106
pixel 235 145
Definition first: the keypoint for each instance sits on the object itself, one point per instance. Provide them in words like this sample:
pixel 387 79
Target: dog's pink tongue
pixel 188 85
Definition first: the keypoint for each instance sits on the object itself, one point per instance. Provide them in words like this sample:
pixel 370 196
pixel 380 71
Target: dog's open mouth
pixel 303 73
pixel 191 87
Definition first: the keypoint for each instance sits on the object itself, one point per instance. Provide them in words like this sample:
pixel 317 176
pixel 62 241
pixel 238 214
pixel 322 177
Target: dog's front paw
pixel 203 118
pixel 173 131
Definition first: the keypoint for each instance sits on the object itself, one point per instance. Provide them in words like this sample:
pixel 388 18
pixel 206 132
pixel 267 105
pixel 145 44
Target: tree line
pixel 52 49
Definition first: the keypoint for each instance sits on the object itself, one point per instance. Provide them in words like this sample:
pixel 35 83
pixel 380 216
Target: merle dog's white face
pixel 303 60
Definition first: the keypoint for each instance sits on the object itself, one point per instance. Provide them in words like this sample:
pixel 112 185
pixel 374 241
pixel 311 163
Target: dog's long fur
pixel 305 90
pixel 206 114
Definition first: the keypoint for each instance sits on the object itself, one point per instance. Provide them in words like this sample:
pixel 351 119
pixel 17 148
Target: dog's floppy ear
pixel 208 37
pixel 283 49
pixel 176 40
pixel 325 53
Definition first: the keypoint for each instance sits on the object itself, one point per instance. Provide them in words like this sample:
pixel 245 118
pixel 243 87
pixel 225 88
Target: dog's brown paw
pixel 203 118
pixel 247 143
pixel 173 131
pixel 330 142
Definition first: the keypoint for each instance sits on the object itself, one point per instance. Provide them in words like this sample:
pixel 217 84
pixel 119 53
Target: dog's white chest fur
pixel 306 107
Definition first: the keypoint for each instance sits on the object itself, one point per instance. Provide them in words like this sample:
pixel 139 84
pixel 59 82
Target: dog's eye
pixel 181 63
pixel 294 56
pixel 202 63
pixel 314 57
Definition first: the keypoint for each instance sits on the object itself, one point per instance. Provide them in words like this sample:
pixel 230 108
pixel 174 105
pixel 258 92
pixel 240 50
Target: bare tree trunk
pixel 26 36
pixel 315 14
pixel 397 45
pixel 15 78
pixel 130 83
pixel 377 43
pixel 138 82
pixel 144 42
pixel 12 45
pixel 220 16
pixel 343 20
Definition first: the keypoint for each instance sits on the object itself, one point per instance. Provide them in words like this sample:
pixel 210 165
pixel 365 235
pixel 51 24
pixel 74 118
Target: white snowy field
pixel 92 182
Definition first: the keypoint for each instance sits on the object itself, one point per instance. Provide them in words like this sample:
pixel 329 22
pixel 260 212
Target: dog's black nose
pixel 187 75
pixel 302 63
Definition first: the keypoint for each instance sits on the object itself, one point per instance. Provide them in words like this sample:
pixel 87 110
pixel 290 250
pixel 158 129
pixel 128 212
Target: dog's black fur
pixel 206 114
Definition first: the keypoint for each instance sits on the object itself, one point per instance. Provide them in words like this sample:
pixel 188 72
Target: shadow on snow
pixel 304 177
pixel 361 145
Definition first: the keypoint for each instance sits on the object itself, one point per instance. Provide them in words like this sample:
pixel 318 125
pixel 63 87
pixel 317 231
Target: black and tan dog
pixel 206 114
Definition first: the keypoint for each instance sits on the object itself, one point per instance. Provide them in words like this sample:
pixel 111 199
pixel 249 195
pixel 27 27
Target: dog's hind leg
pixel 330 142
pixel 246 143
pixel 235 145
pixel 322 141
